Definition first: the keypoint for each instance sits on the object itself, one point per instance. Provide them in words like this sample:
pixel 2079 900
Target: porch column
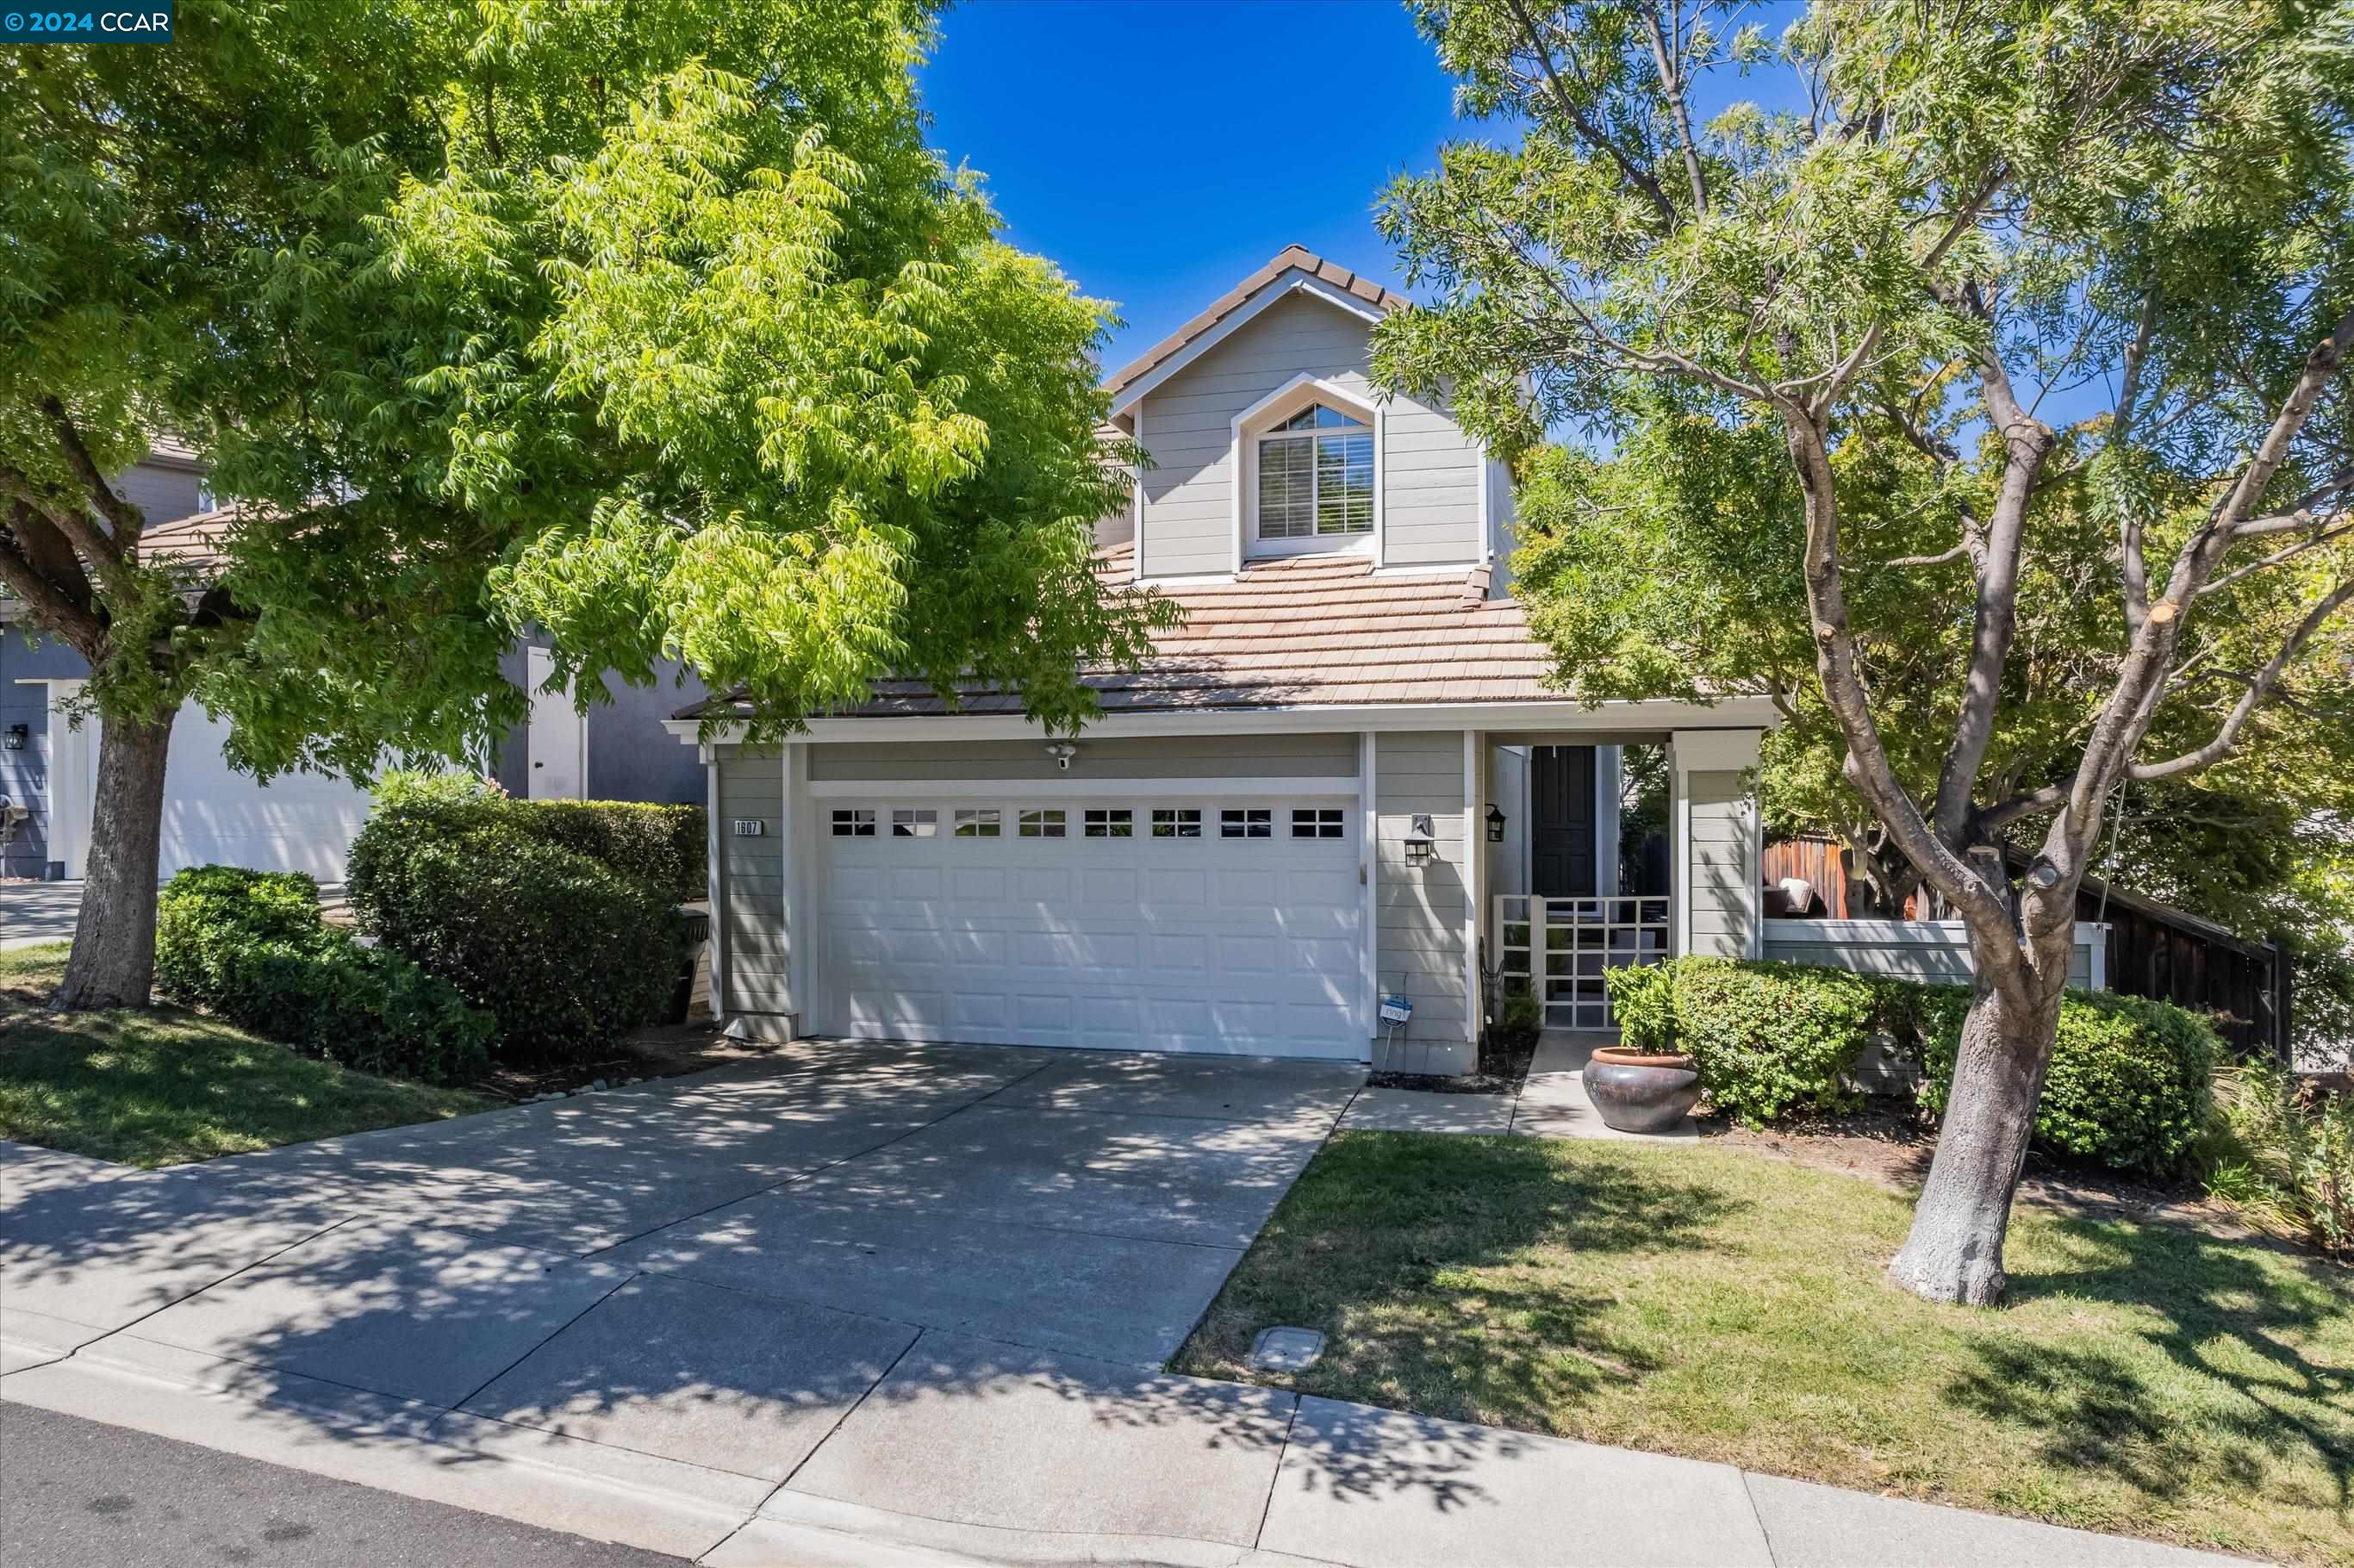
pixel 715 880
pixel 797 839
pixel 1475 886
pixel 1717 897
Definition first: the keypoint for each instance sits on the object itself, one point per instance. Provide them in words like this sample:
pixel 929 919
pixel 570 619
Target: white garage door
pixel 1162 923
pixel 214 815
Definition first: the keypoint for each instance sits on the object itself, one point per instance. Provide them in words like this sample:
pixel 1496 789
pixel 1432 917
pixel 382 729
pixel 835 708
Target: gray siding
pixel 1419 910
pixel 1431 471
pixel 1284 755
pixel 1922 950
pixel 163 493
pixel 752 880
pixel 1718 861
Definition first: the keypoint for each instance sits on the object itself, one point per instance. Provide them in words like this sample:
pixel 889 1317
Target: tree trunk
pixel 1955 1250
pixel 113 959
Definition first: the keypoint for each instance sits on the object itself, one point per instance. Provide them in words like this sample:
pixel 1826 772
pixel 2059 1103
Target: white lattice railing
pixel 1559 948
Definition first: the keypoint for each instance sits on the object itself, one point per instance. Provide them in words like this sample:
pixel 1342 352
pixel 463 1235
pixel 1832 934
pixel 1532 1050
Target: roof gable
pixel 1295 269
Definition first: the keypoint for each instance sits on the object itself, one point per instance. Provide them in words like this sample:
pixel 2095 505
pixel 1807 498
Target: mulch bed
pixel 1888 1142
pixel 663 1051
pixel 1503 1069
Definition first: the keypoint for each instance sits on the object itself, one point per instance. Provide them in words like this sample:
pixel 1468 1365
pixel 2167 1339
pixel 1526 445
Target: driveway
pixel 709 1287
pixel 33 912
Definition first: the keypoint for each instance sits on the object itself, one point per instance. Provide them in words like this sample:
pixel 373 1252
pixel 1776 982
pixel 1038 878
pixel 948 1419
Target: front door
pixel 1561 821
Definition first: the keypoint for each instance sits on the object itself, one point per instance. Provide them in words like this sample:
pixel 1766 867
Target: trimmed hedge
pixel 567 952
pixel 664 845
pixel 250 946
pixel 2129 1086
pixel 1770 1039
pixel 2131 1081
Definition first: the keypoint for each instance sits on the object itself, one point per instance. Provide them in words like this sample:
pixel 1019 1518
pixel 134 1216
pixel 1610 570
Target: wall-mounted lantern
pixel 1495 824
pixel 1421 843
pixel 19 736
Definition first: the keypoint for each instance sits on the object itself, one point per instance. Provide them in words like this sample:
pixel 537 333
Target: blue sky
pixel 1159 152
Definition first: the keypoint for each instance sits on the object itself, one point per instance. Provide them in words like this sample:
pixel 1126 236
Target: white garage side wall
pixel 213 814
pixel 756 944
pixel 1421 912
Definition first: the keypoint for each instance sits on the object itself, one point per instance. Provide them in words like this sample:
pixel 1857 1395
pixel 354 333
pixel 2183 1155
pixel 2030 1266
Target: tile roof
pixel 168 449
pixel 196 541
pixel 1295 632
pixel 1241 294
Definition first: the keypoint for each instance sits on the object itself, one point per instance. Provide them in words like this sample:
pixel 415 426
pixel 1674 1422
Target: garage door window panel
pixel 1176 822
pixel 977 824
pixel 1110 823
pixel 912 823
pixel 1247 822
pixel 1045 822
pixel 853 822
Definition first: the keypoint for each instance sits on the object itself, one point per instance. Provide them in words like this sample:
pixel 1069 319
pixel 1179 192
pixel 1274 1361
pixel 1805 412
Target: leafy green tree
pixel 1837 337
pixel 658 327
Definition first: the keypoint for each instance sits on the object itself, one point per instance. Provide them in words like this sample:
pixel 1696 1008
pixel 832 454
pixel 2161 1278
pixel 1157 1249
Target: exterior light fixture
pixel 1062 751
pixel 1421 843
pixel 19 736
pixel 1495 824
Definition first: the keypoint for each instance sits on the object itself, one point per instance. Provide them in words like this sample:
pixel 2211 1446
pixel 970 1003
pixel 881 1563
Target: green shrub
pixel 1518 1020
pixel 568 954
pixel 664 845
pixel 2284 1153
pixel 249 948
pixel 1643 1004
pixel 1768 1038
pixel 2129 1085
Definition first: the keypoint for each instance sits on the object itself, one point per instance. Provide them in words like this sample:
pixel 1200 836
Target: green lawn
pixel 2145 1379
pixel 162 1086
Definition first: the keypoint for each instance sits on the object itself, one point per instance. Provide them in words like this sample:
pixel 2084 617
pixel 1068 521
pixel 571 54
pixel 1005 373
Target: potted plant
pixel 1643 1084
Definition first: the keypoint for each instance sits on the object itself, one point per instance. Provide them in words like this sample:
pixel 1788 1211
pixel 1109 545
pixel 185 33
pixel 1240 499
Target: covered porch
pixel 1605 851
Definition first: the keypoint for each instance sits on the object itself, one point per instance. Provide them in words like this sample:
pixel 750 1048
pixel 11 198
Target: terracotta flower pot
pixel 1636 1092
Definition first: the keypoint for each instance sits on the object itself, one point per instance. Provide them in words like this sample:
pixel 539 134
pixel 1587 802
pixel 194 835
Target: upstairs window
pixel 1316 476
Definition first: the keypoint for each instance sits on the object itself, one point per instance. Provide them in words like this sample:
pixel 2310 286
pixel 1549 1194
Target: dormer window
pixel 1316 476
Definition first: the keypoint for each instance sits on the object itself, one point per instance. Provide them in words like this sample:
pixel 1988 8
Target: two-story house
pixel 1341 782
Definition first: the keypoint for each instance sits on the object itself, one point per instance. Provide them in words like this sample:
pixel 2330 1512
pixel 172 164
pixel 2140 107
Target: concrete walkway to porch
pixel 1552 1102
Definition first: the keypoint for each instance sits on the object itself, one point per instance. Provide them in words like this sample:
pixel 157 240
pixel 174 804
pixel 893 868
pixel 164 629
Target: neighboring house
pixel 300 821
pixel 1342 779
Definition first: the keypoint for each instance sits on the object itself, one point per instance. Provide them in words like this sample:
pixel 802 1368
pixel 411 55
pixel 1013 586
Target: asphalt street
pixel 75 1494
